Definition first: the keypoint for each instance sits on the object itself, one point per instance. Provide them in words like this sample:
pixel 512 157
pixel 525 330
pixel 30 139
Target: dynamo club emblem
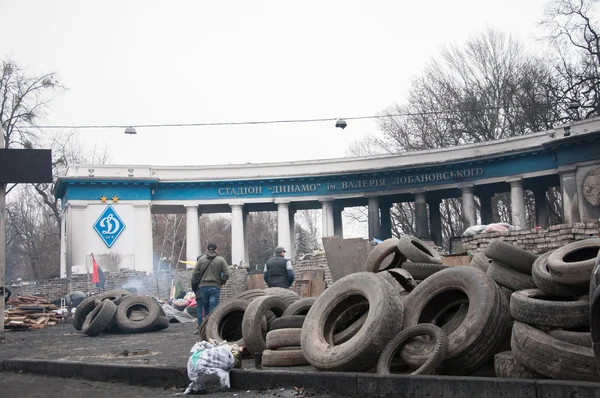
pixel 109 226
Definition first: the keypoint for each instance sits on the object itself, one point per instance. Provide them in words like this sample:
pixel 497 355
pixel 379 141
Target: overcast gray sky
pixel 155 62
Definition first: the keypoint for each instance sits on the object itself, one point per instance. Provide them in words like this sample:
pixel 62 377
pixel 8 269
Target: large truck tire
pixel 362 351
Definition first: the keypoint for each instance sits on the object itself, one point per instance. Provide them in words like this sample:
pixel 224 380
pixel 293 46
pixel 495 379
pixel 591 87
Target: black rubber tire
pixel 252 332
pixel 551 357
pixel 361 352
pixel 133 303
pixel 300 307
pixel 288 322
pixel 202 328
pixel 433 362
pixel 572 264
pixel 506 366
pixel 583 339
pixel 417 251
pixel 162 322
pixel 219 325
pixel 480 261
pixel 479 335
pixel 385 255
pixel 404 278
pixel 547 283
pixel 248 294
pixel 283 358
pixel 508 277
pixel 422 271
pixel 389 278
pixel 348 323
pixel 512 256
pixel 283 338
pixel 540 309
pixel 99 319
pixel 507 292
pixel 287 295
pixel 89 303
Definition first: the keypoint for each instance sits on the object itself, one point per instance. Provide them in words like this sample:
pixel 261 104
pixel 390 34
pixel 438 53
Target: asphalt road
pixel 19 385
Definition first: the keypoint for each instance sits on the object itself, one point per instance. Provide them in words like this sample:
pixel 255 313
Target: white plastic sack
pixel 474 230
pixel 180 316
pixel 208 368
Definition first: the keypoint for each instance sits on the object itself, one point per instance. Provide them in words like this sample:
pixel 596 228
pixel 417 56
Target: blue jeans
pixel 209 299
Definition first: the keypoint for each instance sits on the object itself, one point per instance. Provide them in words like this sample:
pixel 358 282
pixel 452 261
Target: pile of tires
pixel 225 322
pixel 118 311
pixel 283 341
pixel 549 304
pixel 349 325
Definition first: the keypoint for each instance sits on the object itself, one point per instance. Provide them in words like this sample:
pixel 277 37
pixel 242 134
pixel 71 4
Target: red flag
pixel 95 277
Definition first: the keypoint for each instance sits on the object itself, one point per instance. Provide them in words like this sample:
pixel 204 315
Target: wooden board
pixel 346 256
pixel 317 282
pixel 255 281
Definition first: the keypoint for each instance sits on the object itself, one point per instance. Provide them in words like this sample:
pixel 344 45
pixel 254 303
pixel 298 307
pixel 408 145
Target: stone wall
pixel 536 241
pixel 157 285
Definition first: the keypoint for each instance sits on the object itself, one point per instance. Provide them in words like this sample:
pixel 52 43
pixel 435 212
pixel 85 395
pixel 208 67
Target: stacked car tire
pixel 118 311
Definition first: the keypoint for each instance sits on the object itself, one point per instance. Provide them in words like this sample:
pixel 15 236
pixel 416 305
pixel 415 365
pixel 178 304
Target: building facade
pixel 107 208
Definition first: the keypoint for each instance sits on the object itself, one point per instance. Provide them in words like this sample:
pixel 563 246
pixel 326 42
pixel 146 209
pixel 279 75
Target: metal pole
pixel 2 244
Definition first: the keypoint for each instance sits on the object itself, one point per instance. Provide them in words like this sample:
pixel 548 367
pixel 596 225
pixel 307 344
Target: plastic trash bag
pixel 474 230
pixel 208 368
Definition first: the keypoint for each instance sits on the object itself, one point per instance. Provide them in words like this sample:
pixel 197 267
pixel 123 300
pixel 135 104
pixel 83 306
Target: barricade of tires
pixel 118 311
pixel 409 313
pixel 528 314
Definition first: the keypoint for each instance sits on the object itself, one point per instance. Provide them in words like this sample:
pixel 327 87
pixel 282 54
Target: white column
pixel 327 218
pixel 237 234
pixel 63 243
pixel 246 246
pixel 468 203
pixel 143 252
pixel 517 204
pixel 192 233
pixel 292 249
pixel 283 225
pixel 202 248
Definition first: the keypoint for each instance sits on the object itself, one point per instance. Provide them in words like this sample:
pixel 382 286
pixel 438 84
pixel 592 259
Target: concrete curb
pixel 152 376
pixel 348 384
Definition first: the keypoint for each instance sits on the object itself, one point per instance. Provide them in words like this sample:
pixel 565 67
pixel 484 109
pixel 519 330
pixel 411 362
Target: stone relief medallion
pixel 591 187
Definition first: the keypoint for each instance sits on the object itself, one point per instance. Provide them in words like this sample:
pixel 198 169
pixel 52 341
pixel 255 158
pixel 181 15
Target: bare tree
pixel 310 220
pixel 36 238
pixel 575 32
pixel 168 239
pixel 24 99
pixel 485 89
pixel 262 237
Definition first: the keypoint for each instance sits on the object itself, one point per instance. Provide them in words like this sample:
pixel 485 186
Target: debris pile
pixel 29 312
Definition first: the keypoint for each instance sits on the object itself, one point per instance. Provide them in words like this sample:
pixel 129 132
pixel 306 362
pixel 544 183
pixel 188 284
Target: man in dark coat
pixel 278 270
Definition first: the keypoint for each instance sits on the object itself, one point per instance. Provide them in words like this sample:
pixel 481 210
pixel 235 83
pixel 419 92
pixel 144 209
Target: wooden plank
pixel 255 281
pixel 42 319
pixel 317 281
pixel 346 256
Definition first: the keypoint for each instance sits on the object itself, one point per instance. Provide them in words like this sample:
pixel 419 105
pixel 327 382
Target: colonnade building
pixel 107 208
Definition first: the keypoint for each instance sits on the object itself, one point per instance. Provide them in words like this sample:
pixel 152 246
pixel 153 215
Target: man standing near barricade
pixel 278 270
pixel 209 275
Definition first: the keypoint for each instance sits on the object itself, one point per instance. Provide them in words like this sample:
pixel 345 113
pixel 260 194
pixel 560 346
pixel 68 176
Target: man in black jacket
pixel 278 270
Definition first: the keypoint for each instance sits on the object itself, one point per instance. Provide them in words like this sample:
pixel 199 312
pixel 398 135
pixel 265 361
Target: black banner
pixel 25 165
